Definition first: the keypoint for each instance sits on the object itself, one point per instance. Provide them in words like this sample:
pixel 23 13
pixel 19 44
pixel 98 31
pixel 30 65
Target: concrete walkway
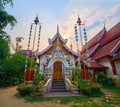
pixel 62 94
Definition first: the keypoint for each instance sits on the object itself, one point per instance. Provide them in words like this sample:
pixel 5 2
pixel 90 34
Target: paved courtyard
pixel 8 99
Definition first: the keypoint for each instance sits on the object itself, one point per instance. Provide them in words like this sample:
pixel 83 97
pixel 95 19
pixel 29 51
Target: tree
pixel 13 69
pixel 18 40
pixel 4 2
pixel 4 48
pixel 6 18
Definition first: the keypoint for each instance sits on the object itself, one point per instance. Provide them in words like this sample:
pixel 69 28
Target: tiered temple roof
pixel 63 42
pixel 104 44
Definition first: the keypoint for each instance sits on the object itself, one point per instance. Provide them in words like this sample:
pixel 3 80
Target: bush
pixel 101 77
pixel 88 88
pixel 76 74
pixel 13 69
pixel 110 81
pixel 25 90
pixel 83 83
pixel 38 77
pixel 95 87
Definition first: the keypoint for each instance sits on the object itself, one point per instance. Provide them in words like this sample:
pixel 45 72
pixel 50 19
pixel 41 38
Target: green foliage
pixel 6 19
pixel 30 90
pixel 38 77
pixel 101 77
pixel 25 90
pixel 4 48
pixel 95 87
pixel 89 88
pixel 4 2
pixel 13 69
pixel 76 74
pixel 83 83
pixel 110 81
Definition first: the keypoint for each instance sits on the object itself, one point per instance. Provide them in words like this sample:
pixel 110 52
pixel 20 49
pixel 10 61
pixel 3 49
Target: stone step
pixel 58 90
pixel 62 94
pixel 58 83
pixel 58 86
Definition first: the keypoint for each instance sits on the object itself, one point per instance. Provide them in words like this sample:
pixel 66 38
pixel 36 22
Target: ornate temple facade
pixel 57 59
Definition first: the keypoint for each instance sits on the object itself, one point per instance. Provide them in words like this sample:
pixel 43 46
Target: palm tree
pixel 18 40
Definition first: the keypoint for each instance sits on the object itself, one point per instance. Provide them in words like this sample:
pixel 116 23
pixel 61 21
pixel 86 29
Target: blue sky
pixel 63 12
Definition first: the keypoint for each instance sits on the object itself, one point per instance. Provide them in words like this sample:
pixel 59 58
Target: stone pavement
pixel 62 94
pixel 111 98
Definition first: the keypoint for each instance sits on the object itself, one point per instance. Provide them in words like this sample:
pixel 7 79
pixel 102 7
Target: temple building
pixel 57 58
pixel 104 52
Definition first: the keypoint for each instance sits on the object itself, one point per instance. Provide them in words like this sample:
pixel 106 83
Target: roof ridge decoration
pixel 57 35
pixel 57 28
pixel 98 37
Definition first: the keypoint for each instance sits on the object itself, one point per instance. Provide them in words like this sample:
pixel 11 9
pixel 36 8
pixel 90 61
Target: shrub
pixel 25 90
pixel 38 77
pixel 110 81
pixel 101 77
pixel 76 74
pixel 95 87
pixel 83 83
pixel 88 88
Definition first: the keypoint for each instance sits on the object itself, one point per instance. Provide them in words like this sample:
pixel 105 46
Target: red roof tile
pixel 106 50
pixel 94 64
pixel 96 39
pixel 93 44
pixel 103 43
pixel 112 34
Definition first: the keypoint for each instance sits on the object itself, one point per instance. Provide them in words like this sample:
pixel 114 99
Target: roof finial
pixel 104 24
pixel 57 28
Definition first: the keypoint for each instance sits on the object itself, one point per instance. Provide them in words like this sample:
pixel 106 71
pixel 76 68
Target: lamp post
pixel 79 23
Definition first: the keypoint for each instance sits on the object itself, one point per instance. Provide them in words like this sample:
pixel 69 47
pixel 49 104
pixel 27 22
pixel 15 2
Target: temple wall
pixel 106 62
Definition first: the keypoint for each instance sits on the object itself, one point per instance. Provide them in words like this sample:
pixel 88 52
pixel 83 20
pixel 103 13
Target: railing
pixel 70 86
pixel 48 85
pixel 48 78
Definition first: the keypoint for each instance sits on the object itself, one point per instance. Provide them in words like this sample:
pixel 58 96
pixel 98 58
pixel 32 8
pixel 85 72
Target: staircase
pixel 58 86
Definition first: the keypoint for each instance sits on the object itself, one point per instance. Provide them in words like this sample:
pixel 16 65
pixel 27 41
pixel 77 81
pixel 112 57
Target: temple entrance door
pixel 57 73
